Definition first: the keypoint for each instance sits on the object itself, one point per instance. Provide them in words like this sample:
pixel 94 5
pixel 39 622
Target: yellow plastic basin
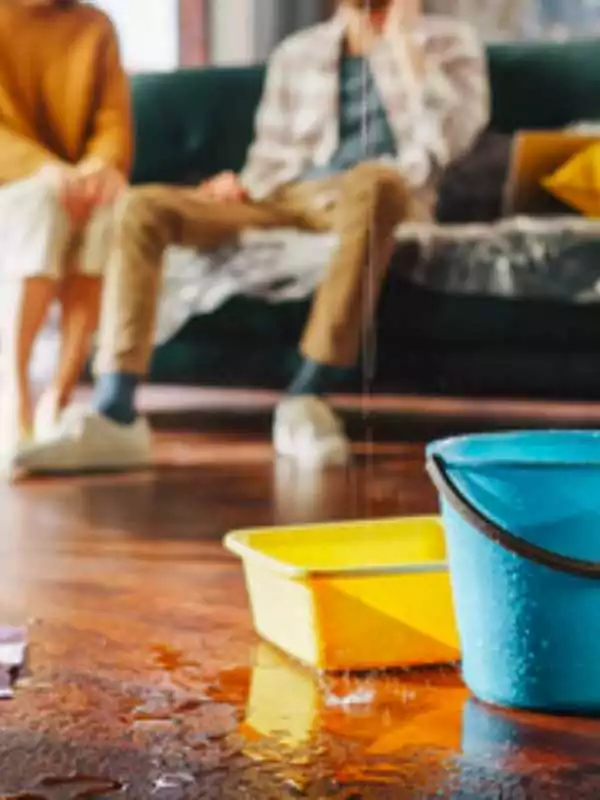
pixel 352 596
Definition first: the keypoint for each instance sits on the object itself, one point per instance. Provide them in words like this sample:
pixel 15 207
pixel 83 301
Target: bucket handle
pixel 438 471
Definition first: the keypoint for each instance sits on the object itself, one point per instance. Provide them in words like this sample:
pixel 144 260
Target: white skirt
pixel 38 240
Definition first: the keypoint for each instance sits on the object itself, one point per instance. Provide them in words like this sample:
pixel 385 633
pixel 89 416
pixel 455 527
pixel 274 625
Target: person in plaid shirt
pixel 360 116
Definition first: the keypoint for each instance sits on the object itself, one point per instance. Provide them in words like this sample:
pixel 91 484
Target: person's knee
pixel 44 204
pixel 375 183
pixel 140 221
pixel 136 210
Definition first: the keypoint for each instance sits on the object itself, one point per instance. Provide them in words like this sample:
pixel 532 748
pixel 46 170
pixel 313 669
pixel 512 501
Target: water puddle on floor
pixel 339 733
pixel 275 730
pixel 172 660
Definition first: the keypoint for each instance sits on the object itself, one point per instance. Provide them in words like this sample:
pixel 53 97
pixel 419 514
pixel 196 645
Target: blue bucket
pixel 522 519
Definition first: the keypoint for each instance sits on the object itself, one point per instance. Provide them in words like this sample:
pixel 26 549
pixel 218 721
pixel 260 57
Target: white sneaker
pixel 85 441
pixel 306 429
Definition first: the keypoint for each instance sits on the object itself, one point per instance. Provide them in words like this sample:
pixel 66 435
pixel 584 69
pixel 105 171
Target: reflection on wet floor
pixel 413 734
pixel 276 730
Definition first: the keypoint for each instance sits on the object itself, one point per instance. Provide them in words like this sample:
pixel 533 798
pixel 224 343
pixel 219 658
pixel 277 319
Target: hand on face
pixel 401 19
pixel 368 20
pixel 379 13
pixel 402 14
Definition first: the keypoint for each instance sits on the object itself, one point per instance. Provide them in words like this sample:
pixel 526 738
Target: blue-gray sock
pixel 114 396
pixel 314 379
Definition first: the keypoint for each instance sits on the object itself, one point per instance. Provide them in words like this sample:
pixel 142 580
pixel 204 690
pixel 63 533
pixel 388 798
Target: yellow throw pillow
pixel 577 183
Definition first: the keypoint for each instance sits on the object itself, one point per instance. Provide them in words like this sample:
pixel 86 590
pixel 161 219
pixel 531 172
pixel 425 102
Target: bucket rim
pixel 498 533
pixel 444 447
pixel 238 542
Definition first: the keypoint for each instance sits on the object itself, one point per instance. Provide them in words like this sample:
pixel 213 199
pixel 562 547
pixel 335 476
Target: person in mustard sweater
pixel 65 153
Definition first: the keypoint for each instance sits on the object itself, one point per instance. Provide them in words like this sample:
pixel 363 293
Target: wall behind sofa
pixel 517 19
pixel 149 32
pixel 244 31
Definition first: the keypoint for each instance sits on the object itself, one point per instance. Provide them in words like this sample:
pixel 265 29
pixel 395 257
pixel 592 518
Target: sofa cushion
pixel 555 258
pixel 472 190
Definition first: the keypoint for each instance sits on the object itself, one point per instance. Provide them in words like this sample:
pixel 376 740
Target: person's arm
pixel 272 158
pixel 111 138
pixel 459 95
pixel 20 156
pixel 450 99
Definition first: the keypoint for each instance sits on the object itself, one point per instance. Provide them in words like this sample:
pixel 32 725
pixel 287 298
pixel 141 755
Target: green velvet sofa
pixel 193 123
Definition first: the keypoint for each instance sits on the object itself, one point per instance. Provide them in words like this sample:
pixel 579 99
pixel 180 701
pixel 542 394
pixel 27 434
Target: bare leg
pixel 80 299
pixel 28 304
pixel 79 296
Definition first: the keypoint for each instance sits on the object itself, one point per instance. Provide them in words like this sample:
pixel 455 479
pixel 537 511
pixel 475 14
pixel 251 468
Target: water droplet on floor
pixel 174 781
pixel 360 697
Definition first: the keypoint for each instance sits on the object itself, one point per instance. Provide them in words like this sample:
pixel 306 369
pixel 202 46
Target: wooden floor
pixel 145 677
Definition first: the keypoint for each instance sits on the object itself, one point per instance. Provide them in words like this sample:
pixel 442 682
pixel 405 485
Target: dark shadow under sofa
pixel 193 123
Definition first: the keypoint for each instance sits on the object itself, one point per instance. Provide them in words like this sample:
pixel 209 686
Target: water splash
pixel 362 696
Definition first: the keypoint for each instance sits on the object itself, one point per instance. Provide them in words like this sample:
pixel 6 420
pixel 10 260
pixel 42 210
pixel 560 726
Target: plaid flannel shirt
pixel 434 119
